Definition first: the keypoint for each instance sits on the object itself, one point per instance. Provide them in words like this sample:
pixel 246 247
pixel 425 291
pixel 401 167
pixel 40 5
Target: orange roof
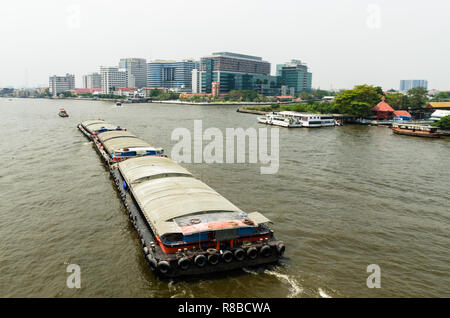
pixel 284 97
pixel 125 89
pixel 438 104
pixel 403 113
pixel 383 106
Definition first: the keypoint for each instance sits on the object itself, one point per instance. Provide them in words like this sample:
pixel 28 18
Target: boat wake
pixel 295 287
pixel 179 291
pixel 248 271
pixel 323 294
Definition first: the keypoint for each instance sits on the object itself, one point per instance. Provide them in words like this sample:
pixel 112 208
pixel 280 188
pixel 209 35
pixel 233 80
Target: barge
pixel 183 225
pixel 415 130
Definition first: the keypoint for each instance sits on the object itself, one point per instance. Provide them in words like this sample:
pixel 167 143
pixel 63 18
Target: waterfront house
pixel 383 110
pixel 125 91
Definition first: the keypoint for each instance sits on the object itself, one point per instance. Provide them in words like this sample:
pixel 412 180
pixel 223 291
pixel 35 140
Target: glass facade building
pixel 237 72
pixel 295 76
pixel 171 74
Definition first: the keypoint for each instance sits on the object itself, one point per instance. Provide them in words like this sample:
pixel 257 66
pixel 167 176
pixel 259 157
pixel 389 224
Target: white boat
pixel 310 120
pixel 279 119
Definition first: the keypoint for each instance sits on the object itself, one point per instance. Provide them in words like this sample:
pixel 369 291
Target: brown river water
pixel 343 198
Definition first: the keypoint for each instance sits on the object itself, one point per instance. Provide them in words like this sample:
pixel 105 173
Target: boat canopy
pixel 118 144
pixel 100 126
pixel 150 167
pixel 163 199
pixel 115 134
pixel 91 122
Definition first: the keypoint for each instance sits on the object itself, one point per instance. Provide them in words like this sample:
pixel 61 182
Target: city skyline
pixel 343 43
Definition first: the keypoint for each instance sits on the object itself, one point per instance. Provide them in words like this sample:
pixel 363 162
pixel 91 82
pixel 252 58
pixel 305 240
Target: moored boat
pixel 415 130
pixel 279 119
pixel 292 119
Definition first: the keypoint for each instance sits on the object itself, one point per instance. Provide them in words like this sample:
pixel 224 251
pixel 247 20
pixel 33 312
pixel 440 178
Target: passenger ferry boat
pixel 295 120
pixel 278 119
pixel 63 113
pixel 415 130
pixel 183 225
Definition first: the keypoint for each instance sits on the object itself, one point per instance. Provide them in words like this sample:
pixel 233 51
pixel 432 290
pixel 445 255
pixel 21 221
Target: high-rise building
pixel 406 85
pixel 295 76
pixel 175 75
pixel 196 81
pixel 93 80
pixel 112 78
pixel 237 72
pixel 136 71
pixel 59 84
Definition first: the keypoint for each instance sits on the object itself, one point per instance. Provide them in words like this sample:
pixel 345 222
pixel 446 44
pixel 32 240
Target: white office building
pixel 406 85
pixel 59 84
pixel 136 69
pixel 196 81
pixel 93 80
pixel 113 78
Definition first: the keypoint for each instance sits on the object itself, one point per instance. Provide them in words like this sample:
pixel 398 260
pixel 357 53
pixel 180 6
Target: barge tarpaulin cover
pixel 165 191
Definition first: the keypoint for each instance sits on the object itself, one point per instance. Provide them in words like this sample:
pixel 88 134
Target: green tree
pixel 418 97
pixel 398 100
pixel 441 96
pixel 68 94
pixel 443 123
pixel 155 92
pixel 359 100
pixel 241 95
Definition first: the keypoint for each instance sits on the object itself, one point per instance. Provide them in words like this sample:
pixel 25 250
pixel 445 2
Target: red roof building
pixel 402 115
pixel 86 90
pixel 284 97
pixel 384 110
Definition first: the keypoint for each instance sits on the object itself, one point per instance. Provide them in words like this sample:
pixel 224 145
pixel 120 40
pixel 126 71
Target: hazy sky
pixel 343 42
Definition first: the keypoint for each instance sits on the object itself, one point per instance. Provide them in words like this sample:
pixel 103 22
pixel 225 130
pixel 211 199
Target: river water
pixel 343 198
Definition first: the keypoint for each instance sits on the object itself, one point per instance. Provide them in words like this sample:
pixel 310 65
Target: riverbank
pixel 149 100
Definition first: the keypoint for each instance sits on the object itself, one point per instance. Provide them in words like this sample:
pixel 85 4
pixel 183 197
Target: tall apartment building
pixel 406 85
pixel 93 80
pixel 112 78
pixel 59 84
pixel 175 75
pixel 236 72
pixel 136 71
pixel 295 76
pixel 196 81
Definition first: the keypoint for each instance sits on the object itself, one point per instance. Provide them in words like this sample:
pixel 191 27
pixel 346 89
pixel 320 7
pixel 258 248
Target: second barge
pixel 184 226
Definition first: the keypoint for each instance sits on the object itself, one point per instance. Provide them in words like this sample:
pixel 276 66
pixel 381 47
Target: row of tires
pixel 213 258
